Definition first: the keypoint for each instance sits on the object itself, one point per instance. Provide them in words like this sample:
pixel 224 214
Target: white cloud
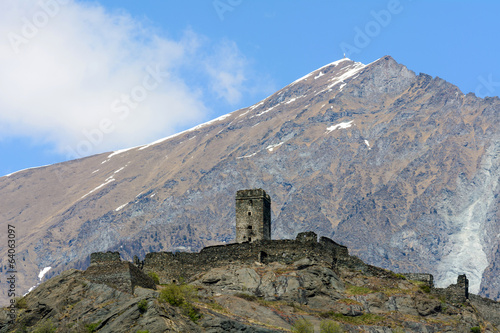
pixel 228 76
pixel 88 80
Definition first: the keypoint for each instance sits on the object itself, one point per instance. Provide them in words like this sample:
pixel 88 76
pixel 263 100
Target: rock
pixel 426 306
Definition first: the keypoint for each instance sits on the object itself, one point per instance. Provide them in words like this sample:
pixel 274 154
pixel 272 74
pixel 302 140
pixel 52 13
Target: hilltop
pixel 257 297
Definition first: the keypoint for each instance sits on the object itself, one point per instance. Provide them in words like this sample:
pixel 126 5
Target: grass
pixel 396 291
pixel 328 326
pixel 303 326
pixel 91 328
pixel 425 288
pixel 356 290
pixel 45 327
pixel 216 306
pixel 248 297
pixel 364 319
pixel 398 276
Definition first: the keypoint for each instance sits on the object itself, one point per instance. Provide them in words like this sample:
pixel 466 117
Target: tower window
pixel 249 227
pixel 249 213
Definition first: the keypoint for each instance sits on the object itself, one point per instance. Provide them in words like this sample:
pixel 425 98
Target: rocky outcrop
pixel 257 298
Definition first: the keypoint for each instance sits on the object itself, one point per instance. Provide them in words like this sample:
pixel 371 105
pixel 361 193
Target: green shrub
pixel 142 305
pixel 193 313
pixel 45 327
pixel 176 295
pixel 399 276
pixel 356 290
pixel 328 326
pixel 425 288
pixel 303 326
pixel 475 329
pixel 21 303
pixel 181 296
pixel 91 328
pixel 155 277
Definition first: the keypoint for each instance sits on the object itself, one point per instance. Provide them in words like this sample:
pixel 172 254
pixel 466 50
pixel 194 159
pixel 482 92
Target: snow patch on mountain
pixel 119 208
pixel 247 156
pixel 119 170
pixel 10 174
pixel 343 125
pixel 319 75
pixel 187 131
pixel 43 272
pixel 335 63
pixel 121 151
pixel 271 147
pixel 106 182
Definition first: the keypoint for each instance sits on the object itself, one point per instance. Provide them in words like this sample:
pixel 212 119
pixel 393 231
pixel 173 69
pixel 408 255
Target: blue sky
pixel 84 77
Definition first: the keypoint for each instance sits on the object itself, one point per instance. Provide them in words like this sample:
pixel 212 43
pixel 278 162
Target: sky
pixel 82 77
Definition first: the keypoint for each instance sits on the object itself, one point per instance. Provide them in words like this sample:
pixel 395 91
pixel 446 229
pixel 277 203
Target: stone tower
pixel 253 215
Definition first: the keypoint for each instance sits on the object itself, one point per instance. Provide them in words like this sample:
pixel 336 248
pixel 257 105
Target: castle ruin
pixel 253 244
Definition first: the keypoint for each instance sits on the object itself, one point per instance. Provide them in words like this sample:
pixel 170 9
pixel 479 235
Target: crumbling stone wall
pixel 422 277
pixel 173 267
pixel 98 257
pixel 456 293
pixel 107 268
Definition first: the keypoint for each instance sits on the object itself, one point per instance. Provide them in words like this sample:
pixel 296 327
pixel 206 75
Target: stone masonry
pixel 174 267
pixel 253 215
pixel 107 268
pixel 253 244
pixel 456 293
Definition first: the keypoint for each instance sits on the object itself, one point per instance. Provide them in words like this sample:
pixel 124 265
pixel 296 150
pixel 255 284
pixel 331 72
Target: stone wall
pixel 422 277
pixel 120 275
pixel 456 293
pixel 173 267
pixel 98 257
pixel 253 215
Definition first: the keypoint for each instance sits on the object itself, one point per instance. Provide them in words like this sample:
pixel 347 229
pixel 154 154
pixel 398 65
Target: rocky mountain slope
pixel 401 168
pixel 258 297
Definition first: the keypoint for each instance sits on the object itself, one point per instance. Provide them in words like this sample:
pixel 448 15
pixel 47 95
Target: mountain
pixel 401 168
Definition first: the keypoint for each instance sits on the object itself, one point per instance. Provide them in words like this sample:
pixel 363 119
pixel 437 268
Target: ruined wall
pixel 422 277
pixel 173 267
pixel 98 257
pixel 107 268
pixel 456 293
